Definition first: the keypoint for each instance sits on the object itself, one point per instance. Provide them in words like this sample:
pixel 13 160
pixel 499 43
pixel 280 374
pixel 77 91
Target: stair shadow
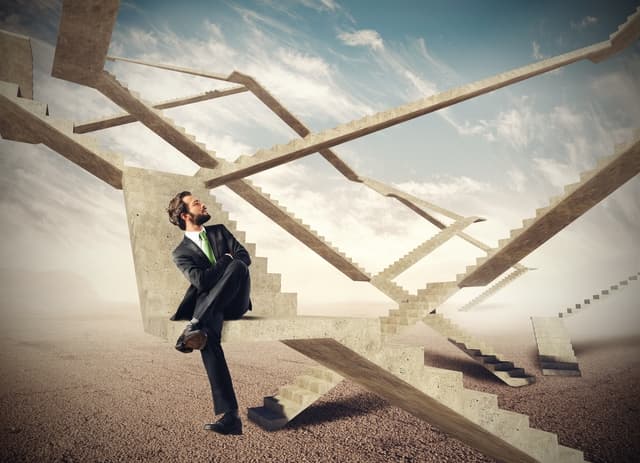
pixel 356 405
pixel 583 347
pixel 469 368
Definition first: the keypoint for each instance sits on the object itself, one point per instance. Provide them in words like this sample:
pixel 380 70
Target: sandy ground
pixel 97 388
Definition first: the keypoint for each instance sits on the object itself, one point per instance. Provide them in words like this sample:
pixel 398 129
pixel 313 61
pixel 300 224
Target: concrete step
pixel 267 419
pixel 300 396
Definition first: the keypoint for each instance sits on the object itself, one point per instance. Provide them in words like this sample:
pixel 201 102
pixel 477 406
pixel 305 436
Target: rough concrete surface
pixel 92 386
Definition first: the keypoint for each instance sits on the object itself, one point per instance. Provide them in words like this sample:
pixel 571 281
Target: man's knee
pixel 238 267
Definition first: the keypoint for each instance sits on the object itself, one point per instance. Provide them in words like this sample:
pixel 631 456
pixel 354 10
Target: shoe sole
pixel 195 340
pixel 233 432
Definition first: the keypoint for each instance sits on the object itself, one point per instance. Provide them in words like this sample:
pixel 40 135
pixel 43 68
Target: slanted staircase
pixel 28 121
pixel 494 288
pixel 555 351
pixel 440 395
pixel 292 399
pixel 594 185
pixel 186 143
pixel 480 352
pixel 423 249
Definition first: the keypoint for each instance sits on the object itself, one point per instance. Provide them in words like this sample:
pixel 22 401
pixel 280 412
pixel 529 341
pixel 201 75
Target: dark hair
pixel 176 208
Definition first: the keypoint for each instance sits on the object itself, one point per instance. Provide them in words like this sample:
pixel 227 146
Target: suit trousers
pixel 231 303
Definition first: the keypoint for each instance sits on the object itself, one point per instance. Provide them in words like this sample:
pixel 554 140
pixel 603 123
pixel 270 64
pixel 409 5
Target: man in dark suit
pixel 216 265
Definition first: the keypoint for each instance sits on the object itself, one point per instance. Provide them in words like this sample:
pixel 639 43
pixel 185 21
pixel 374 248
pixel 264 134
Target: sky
pixel 499 156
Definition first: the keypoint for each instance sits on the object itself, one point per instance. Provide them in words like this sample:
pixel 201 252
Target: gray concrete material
pixel 627 33
pixel 483 354
pixel 109 86
pixel 425 248
pixel 17 62
pixel 399 393
pixel 265 204
pixel 597 184
pixel 125 118
pixel 283 113
pixel 391 289
pixel 493 289
pixel 19 122
pixel 83 39
pixel 161 286
pixel 280 154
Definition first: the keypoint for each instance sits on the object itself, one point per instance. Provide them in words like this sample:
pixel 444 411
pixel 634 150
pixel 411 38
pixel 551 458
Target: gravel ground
pixel 80 388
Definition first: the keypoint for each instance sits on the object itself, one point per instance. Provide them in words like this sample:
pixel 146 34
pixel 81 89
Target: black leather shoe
pixel 228 424
pixel 191 338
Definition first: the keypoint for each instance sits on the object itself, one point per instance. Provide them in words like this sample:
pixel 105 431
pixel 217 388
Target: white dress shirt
pixel 195 237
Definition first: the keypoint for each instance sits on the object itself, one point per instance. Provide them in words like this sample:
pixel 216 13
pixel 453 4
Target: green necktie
pixel 206 246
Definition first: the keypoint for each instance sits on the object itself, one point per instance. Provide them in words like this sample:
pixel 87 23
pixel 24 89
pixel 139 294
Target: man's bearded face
pixel 199 219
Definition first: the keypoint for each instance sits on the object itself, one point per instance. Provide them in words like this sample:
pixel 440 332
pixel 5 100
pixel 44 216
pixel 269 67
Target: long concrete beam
pixel 126 118
pixel 281 154
pixel 27 121
pixel 109 86
pixel 399 393
pixel 595 185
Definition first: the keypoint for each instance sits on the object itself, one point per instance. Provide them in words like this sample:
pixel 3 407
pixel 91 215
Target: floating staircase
pixel 28 121
pixel 517 273
pixel 555 351
pixel 292 399
pixel 594 185
pixel 397 373
pixel 425 248
pixel 480 352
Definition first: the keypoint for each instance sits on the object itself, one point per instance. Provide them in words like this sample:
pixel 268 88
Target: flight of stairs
pixel 28 121
pixel 594 185
pixel 555 351
pixel 423 249
pixel 177 136
pixel 479 351
pixel 445 386
pixel 494 288
pixel 291 399
pixel 596 297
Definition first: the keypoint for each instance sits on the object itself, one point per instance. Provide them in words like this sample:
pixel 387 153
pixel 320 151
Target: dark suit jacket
pixel 195 265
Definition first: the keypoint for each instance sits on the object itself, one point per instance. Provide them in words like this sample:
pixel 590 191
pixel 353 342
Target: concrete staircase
pixel 28 121
pixel 422 250
pixel 555 351
pixel 594 185
pixel 438 393
pixel 292 399
pixel 314 142
pixel 494 288
pixel 569 311
pixel 480 352
pixel 166 128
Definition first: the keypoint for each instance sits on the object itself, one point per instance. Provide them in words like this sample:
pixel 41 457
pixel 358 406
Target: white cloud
pixel 584 22
pixel 536 51
pixel 517 180
pixel 306 64
pixel 556 173
pixel 444 186
pixel 363 37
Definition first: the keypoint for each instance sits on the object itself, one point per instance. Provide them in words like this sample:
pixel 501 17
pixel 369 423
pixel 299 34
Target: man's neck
pixel 194 228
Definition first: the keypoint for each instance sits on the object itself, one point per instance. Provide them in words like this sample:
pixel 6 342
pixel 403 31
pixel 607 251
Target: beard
pixel 200 218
